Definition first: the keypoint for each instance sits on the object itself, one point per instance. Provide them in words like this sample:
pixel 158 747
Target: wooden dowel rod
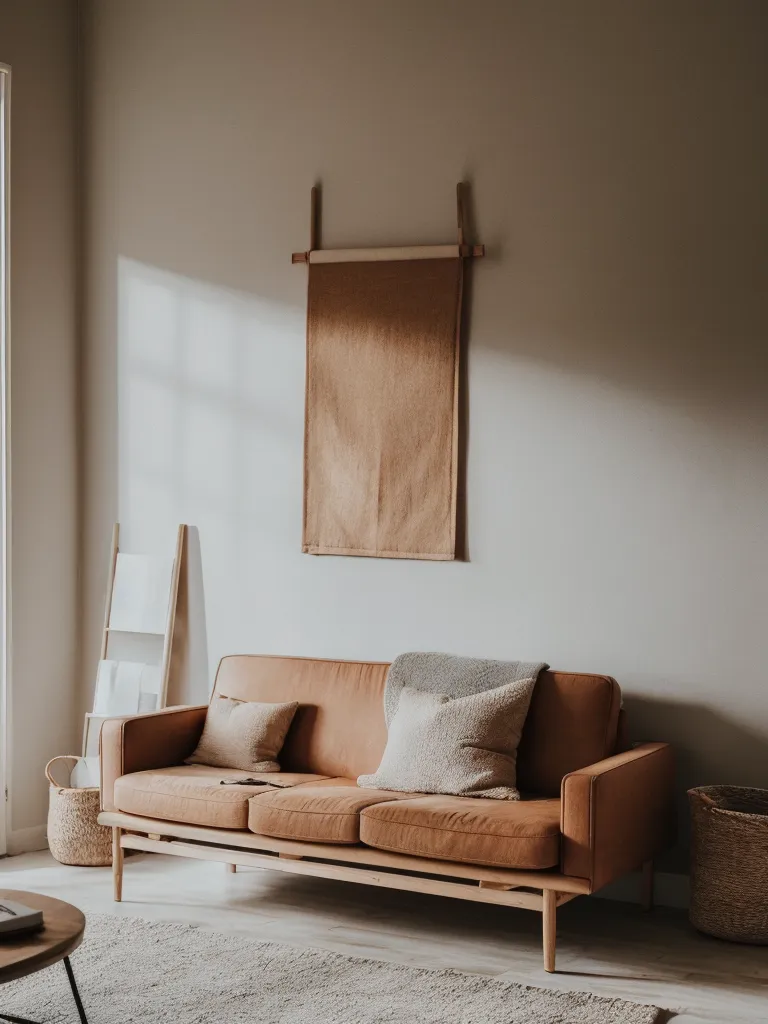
pixel 407 252
pixel 460 211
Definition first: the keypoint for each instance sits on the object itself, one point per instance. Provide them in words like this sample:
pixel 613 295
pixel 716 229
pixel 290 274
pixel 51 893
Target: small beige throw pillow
pixel 465 746
pixel 243 734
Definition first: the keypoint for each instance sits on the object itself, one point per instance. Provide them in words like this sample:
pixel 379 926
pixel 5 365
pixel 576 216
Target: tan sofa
pixel 591 812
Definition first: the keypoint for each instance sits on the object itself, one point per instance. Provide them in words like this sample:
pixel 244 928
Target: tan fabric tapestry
pixel 381 430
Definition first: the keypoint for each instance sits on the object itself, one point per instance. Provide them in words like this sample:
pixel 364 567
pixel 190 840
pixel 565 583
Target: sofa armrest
pixel 140 742
pixel 618 813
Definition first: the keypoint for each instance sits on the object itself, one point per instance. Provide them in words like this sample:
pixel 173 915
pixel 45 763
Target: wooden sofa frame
pixel 540 891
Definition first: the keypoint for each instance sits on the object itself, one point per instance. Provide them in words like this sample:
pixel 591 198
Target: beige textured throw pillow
pixel 465 746
pixel 243 734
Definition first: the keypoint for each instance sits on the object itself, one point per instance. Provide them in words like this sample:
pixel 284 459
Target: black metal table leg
pixel 75 993
pixel 78 1001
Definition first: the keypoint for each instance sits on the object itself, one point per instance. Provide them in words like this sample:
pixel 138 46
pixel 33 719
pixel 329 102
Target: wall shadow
pixel 711 748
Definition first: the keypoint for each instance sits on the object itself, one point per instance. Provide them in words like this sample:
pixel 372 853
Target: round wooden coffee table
pixel 61 934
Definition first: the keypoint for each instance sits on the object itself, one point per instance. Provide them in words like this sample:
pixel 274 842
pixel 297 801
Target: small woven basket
pixel 729 862
pixel 74 834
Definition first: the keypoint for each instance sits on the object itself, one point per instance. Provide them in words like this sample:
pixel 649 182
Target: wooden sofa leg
pixel 231 868
pixel 117 864
pixel 549 928
pixel 647 886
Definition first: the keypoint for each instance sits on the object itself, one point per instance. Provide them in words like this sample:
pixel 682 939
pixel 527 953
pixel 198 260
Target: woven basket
pixel 729 862
pixel 74 835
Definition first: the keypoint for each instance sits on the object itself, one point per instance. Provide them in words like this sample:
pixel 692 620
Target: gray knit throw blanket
pixel 447 673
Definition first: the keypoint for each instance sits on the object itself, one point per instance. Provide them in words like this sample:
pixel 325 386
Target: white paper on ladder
pixel 141 594
pixel 126 688
pixel 105 687
pixel 149 690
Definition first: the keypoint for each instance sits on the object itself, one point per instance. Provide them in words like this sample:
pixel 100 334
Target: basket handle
pixel 59 757
pixel 704 798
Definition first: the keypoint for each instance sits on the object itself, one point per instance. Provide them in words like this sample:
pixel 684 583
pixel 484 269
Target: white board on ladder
pixel 142 598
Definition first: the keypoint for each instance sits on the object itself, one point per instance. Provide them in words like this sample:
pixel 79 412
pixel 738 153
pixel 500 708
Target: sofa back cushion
pixel 339 729
pixel 572 722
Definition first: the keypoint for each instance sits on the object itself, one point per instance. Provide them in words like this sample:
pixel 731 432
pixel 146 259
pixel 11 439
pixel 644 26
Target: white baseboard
pixel 669 890
pixel 27 840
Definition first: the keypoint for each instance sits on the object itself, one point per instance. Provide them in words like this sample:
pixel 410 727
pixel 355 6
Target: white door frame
pixel 5 421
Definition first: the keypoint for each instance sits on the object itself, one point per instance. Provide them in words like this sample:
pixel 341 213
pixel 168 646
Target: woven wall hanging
pixel 381 440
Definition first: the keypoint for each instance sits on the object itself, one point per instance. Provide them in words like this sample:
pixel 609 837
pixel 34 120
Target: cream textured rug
pixel 130 970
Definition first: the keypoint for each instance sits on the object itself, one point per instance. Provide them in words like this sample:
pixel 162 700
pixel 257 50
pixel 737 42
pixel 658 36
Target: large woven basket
pixel 729 862
pixel 74 835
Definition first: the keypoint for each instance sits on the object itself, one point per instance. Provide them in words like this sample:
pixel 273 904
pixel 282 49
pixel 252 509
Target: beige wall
pixel 39 38
pixel 618 376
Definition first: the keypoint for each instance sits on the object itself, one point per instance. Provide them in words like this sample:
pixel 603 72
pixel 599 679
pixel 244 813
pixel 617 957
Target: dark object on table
pixel 729 862
pixel 16 918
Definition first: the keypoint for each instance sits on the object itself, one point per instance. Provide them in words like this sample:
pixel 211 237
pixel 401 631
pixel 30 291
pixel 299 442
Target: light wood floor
pixel 604 947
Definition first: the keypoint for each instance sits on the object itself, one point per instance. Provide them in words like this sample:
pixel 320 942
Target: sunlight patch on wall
pixel 210 414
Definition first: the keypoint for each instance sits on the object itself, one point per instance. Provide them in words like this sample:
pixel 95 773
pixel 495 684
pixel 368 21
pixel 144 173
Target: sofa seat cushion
pixel 522 834
pixel 193 793
pixel 328 812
